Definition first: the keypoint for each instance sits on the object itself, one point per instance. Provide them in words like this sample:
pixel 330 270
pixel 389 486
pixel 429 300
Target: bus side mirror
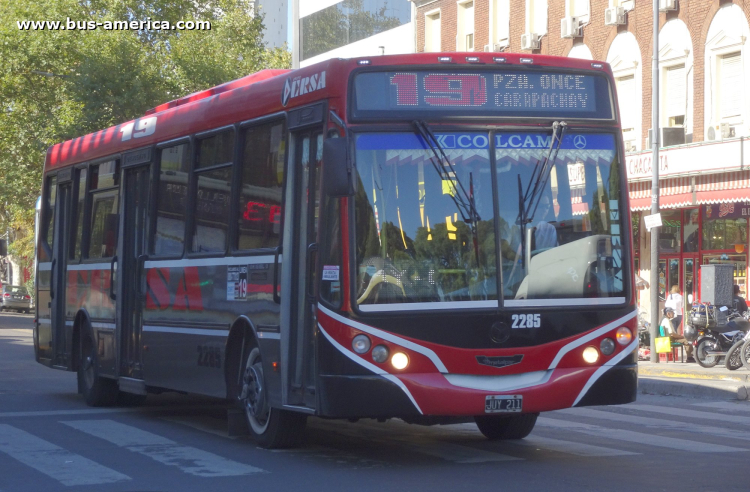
pixel 338 174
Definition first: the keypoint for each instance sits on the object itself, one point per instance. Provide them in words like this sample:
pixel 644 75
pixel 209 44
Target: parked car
pixel 16 297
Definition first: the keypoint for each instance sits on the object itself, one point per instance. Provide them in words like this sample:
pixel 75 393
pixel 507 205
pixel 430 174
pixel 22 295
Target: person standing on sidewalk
pixel 674 301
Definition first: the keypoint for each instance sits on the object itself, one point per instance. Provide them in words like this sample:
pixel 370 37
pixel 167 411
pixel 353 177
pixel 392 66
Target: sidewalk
pixel 683 379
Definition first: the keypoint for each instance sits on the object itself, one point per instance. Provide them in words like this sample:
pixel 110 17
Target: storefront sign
pixel 708 156
pixel 739 210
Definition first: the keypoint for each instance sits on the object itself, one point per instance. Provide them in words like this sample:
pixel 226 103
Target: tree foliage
pixel 56 85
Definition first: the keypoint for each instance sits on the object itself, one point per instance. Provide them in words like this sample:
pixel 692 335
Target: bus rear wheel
pixel 271 428
pixel 97 391
pixel 495 427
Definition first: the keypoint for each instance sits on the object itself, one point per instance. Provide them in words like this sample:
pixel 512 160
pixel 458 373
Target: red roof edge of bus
pixel 228 86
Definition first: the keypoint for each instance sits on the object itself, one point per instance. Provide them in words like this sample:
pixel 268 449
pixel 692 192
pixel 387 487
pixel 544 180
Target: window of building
pixel 670 238
pixel 105 210
pixel 536 17
pixel 171 200
pixel 577 8
pixel 627 102
pixel 675 101
pixel 500 35
pixel 432 31
pixel 725 234
pixel 465 31
pixel 259 220
pixel 349 21
pixel 730 85
pixel 213 171
pixel 76 249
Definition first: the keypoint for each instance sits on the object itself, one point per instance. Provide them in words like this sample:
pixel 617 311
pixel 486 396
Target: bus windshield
pixel 429 230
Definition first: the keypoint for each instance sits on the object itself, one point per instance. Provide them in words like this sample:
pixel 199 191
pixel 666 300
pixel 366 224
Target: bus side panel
pixel 43 327
pixel 187 315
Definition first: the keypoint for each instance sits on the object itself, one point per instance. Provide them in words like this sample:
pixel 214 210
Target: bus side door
pixel 61 332
pixel 298 321
pixel 131 288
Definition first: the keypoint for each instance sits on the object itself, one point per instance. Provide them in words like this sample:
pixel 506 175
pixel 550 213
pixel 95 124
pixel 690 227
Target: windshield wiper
pixel 529 199
pixel 464 201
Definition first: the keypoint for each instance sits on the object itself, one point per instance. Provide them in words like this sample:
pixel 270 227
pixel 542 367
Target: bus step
pixel 131 385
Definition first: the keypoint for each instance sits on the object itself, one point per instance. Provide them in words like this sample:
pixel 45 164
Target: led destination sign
pixel 487 93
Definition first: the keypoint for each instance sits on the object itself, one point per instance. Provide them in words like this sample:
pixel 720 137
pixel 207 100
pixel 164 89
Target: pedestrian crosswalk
pixel 196 444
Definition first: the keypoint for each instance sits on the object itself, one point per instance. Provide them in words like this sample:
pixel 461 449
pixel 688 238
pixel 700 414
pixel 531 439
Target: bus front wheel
pixel 495 427
pixel 97 391
pixel 271 428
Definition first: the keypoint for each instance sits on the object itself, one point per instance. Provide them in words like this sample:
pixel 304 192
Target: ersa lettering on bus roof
pixel 297 86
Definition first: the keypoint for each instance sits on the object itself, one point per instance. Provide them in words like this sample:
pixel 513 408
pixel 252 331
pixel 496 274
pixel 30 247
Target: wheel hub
pixel 253 394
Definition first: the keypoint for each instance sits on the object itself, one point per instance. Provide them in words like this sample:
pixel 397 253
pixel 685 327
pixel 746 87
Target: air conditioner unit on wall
pixel 530 41
pixel 669 136
pixel 487 47
pixel 665 5
pixel 727 131
pixel 501 45
pixel 614 16
pixel 570 27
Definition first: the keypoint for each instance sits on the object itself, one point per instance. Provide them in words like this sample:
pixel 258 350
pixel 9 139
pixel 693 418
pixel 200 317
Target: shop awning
pixel 692 190
pixel 673 193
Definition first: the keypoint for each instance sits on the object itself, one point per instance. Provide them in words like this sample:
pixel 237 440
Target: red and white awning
pixel 692 190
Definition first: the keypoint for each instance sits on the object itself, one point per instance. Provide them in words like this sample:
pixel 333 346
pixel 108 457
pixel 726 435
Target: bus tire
pixel 271 428
pixel 495 427
pixel 97 391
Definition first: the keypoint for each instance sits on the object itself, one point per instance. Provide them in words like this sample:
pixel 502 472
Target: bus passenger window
pixel 105 206
pixel 49 220
pixel 259 220
pixel 77 239
pixel 211 203
pixel 171 201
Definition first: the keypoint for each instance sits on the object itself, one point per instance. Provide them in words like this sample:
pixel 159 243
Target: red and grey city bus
pixel 432 237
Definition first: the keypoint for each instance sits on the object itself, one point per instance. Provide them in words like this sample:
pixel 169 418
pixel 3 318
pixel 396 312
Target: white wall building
pixel 276 21
pixel 353 28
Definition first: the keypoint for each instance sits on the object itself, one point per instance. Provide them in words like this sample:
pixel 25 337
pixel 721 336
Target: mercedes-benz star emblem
pixel 579 141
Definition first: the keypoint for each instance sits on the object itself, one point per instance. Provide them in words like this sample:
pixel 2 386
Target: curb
pixel 695 388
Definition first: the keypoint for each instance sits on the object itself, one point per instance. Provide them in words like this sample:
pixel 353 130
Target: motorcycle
pixel 734 359
pixel 644 336
pixel 715 333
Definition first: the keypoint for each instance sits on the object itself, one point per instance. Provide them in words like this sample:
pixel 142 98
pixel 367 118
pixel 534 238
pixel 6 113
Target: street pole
pixel 295 34
pixel 655 186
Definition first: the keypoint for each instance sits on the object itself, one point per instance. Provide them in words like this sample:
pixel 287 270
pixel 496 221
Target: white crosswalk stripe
pixel 736 406
pixel 635 437
pixel 692 414
pixel 570 447
pixel 67 468
pixel 693 427
pixel 188 459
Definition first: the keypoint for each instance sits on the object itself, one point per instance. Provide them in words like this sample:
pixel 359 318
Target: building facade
pixel 352 28
pixel 704 112
pixel 276 13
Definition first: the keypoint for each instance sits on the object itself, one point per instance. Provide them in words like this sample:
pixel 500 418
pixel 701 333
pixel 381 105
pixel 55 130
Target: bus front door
pixel 298 322
pixel 131 283
pixel 61 333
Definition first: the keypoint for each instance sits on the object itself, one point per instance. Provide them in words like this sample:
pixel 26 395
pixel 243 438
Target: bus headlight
pixel 400 360
pixel 361 344
pixel 624 335
pixel 607 346
pixel 380 353
pixel 590 355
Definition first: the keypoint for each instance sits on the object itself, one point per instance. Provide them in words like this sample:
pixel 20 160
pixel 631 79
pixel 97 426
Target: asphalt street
pixel 50 441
